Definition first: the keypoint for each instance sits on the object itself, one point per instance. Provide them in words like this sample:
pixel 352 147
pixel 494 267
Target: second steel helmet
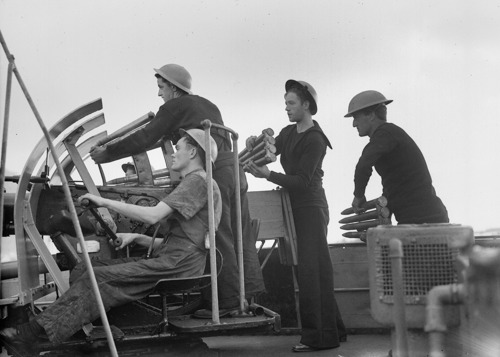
pixel 365 100
pixel 177 75
pixel 310 89
pixel 128 165
pixel 199 136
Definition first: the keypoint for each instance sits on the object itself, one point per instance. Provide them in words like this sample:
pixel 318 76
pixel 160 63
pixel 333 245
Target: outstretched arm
pixel 134 143
pixel 99 154
pixel 150 215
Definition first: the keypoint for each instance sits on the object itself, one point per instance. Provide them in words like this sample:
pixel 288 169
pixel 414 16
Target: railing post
pixel 69 201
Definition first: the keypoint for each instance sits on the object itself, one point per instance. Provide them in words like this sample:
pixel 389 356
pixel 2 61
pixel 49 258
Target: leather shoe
pixel 303 348
pixel 306 348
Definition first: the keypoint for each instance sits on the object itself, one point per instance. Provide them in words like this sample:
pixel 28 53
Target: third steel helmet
pixel 310 89
pixel 365 100
pixel 177 75
pixel 199 136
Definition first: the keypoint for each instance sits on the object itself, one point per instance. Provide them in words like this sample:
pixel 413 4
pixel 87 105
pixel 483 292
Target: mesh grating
pixel 425 265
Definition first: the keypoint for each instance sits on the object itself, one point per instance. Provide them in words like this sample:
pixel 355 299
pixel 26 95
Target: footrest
pixel 266 319
pixel 99 333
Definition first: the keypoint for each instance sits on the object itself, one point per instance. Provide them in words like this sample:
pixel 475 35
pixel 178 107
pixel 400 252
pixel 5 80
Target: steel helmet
pixel 127 165
pixel 310 89
pixel 365 100
pixel 177 75
pixel 199 136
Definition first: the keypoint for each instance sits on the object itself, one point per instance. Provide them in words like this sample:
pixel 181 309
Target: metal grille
pixel 425 265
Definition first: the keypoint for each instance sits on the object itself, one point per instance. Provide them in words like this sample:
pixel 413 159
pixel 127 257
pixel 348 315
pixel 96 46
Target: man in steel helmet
pixel 129 169
pixel 182 109
pixel 406 180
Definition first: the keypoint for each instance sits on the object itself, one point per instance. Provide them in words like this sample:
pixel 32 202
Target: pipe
pixel 256 309
pixel 237 196
pixel 483 301
pixel 33 179
pixel 435 323
pixel 486 260
pixel 5 130
pixel 398 310
pixel 9 269
pixel 69 200
pixel 211 223
pixel 239 228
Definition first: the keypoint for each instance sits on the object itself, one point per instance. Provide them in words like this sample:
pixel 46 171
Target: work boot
pixel 21 339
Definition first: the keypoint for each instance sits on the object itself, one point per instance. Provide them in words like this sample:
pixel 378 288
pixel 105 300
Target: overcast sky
pixel 438 60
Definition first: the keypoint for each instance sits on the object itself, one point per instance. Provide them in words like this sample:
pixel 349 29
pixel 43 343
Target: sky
pixel 438 60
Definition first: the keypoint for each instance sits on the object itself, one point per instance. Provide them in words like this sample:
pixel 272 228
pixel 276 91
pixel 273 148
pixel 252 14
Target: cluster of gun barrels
pixel 376 213
pixel 261 151
pixel 160 178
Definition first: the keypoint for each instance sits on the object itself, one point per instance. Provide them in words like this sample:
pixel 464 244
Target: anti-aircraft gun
pixel 42 213
pixel 38 214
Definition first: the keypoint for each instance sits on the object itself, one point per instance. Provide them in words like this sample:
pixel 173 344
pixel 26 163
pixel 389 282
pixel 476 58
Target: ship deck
pixel 275 345
pixel 360 345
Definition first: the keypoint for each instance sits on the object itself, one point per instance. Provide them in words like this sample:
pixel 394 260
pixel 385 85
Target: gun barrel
pixel 266 132
pixel 380 201
pixel 360 225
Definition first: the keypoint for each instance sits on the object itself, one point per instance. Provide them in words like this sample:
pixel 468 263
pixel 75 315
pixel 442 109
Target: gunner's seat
pixel 183 287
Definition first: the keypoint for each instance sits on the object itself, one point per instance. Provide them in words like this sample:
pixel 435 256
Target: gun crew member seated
pixel 183 215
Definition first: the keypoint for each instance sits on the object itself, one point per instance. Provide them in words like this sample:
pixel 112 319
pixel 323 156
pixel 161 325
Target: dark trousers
pixel 430 210
pixel 120 281
pixel 322 323
pixel 228 279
